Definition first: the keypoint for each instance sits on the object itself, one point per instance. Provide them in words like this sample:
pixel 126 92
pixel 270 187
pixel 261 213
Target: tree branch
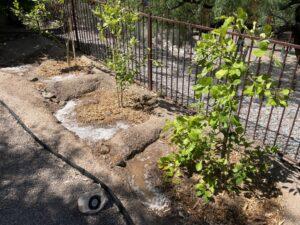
pixel 291 3
pixel 184 2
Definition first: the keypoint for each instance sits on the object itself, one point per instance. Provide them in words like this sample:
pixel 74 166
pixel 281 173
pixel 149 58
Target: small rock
pixel 148 108
pixel 62 103
pixel 181 214
pixel 48 95
pixel 138 106
pixel 121 164
pixel 151 102
pixel 104 149
pixel 55 100
pixel 145 98
pixel 95 71
pixel 105 70
pixel 33 79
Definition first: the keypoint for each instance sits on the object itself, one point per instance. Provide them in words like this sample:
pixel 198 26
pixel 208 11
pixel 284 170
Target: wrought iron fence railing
pixel 165 53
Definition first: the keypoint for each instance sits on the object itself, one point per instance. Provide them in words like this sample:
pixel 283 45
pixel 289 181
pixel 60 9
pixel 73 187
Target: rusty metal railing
pixel 165 52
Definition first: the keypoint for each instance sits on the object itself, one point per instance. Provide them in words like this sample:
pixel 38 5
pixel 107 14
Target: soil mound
pixel 127 143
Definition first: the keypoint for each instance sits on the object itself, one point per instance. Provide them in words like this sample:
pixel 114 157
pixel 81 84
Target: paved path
pixel 38 188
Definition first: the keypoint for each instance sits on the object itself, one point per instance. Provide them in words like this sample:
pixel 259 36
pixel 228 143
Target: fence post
pixel 75 22
pixel 149 49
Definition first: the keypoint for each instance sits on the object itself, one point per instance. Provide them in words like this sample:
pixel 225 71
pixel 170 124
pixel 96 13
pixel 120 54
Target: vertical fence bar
pixel 156 55
pixel 178 60
pixel 262 100
pixel 183 66
pixel 144 46
pixel 291 130
pixel 149 31
pixel 278 85
pixel 85 36
pixel 191 65
pixel 245 78
pixel 161 57
pixel 283 111
pixel 172 62
pixel 139 49
pixel 167 58
pixel 75 22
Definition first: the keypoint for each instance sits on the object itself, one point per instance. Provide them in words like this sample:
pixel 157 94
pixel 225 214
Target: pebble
pixel 48 95
pixel 33 79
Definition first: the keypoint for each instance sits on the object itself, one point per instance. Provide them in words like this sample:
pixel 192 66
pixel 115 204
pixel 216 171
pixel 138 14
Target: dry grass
pixel 101 107
pixel 53 67
pixel 226 209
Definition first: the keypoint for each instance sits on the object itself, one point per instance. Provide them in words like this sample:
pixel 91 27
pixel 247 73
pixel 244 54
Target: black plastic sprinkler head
pixel 92 202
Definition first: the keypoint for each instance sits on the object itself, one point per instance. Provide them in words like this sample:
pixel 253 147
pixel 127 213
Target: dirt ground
pixel 38 188
pixel 138 185
pixel 103 107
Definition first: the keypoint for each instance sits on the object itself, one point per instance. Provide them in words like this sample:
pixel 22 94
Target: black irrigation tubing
pixel 84 172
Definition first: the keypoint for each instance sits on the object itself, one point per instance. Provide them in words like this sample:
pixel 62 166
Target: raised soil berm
pixel 70 88
pixel 132 141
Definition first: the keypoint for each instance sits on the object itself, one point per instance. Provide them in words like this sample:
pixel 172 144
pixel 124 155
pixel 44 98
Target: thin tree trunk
pixel 118 96
pixel 72 40
pixel 122 103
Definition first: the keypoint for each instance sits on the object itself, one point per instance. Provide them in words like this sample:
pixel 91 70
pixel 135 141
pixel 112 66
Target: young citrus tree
pixel 119 19
pixel 207 141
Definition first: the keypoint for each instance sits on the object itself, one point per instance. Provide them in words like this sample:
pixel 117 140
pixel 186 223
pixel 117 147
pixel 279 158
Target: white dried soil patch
pixel 67 117
pixel 158 202
pixel 63 77
pixel 17 69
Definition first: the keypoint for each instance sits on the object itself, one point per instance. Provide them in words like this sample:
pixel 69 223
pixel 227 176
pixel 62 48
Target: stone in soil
pixel 33 79
pixel 48 95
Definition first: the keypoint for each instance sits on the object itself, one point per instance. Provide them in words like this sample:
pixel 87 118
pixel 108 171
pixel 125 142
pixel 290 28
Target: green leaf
pixel 206 81
pixel 271 102
pixel 259 53
pixel 221 73
pixel 268 29
pixel 199 166
pixel 241 14
pixel 263 45
pixel 283 103
pixel 239 180
pixel 285 92
pixel 236 82
pixel 277 62
pixel 249 90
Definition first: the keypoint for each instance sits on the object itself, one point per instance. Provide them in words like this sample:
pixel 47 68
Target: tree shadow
pixel 37 188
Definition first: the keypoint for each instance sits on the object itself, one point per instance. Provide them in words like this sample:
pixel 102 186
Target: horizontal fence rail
pixel 165 52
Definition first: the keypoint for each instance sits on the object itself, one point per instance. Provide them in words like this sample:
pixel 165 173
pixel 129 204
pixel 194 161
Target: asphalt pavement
pixel 38 188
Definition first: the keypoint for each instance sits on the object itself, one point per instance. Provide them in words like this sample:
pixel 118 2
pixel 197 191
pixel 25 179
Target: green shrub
pixel 208 141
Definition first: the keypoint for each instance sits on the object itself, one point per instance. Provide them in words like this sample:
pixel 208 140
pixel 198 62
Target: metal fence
pixel 171 45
